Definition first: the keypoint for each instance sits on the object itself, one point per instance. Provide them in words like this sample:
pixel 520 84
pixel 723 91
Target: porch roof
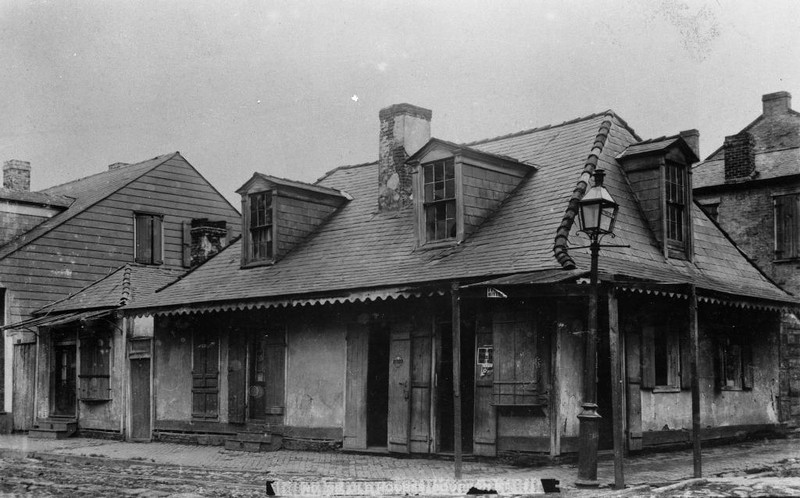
pixel 57 319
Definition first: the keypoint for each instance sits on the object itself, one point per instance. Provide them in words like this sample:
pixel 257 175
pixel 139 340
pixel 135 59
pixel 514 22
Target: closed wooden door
pixel 237 378
pixel 399 388
pixel 140 399
pixel 24 381
pixel 355 417
pixel 420 440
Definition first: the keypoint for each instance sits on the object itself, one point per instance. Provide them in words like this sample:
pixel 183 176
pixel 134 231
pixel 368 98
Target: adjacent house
pixel 118 233
pixel 446 285
pixel 751 187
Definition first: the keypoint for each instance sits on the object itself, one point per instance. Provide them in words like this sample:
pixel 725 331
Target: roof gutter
pixel 561 243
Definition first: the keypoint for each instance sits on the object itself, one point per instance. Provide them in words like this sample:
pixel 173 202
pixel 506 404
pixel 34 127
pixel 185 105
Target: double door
pixel 256 377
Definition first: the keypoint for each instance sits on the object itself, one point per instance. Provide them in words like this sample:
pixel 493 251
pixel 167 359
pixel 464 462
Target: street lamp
pixel 597 214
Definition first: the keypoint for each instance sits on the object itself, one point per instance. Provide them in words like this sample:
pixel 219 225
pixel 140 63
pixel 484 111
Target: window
pixel 95 353
pixel 148 232
pixel 665 357
pixel 261 231
pixel 676 202
pixel 734 364
pixel 787 234
pixel 520 362
pixel 439 200
pixel 205 375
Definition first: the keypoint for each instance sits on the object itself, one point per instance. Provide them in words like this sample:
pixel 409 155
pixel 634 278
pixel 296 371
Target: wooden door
pixel 237 379
pixel 422 390
pixel 24 381
pixel 140 399
pixel 355 416
pixel 64 386
pixel 399 388
pixel 275 359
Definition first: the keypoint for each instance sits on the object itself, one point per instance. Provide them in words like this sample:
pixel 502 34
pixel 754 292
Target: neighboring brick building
pixel 751 186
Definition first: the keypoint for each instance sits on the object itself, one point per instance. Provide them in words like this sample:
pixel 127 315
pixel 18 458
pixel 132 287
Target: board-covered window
pixel 95 370
pixel 261 227
pixel 734 364
pixel 787 235
pixel 149 237
pixel 520 361
pixel 439 200
pixel 665 356
pixel 205 375
pixel 676 202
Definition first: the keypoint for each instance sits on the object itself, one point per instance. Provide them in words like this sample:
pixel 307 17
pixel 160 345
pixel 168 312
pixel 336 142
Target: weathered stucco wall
pixel 315 374
pixel 173 373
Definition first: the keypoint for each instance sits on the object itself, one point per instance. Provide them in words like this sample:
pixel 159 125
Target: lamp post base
pixel 587 450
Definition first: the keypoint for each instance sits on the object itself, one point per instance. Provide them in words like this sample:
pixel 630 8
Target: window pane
pixel 449 170
pixel 428 173
pixel 428 192
pixel 438 172
pixel 438 193
pixel 450 189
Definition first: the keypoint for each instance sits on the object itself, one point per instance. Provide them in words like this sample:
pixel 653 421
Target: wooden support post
pixel 456 320
pixel 617 410
pixel 695 359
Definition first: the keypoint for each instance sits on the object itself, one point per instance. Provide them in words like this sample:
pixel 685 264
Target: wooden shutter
pixel 648 357
pixel 186 245
pixel 719 365
pixel 95 369
pixel 205 375
pixel 673 356
pixel 786 229
pixel 686 358
pixel 355 406
pixel 144 243
pixel 158 249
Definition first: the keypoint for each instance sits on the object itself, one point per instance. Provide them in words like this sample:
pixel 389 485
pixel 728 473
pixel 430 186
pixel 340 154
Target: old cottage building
pixel 751 187
pixel 339 314
pixel 67 361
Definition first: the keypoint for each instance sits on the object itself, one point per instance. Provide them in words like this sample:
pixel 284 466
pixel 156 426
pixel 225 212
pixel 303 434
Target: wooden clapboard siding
pixel 99 239
pixel 297 218
pixel 483 191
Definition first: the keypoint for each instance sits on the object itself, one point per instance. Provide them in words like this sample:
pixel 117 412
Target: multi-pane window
pixel 148 232
pixel 676 201
pixel 261 227
pixel 95 352
pixel 786 226
pixel 439 199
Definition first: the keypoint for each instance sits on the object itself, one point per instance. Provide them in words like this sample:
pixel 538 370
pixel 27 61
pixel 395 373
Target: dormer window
pixel 676 202
pixel 261 232
pixel 439 183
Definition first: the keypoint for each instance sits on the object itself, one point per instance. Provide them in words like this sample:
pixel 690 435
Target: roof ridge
pixel 76 180
pixel 126 286
pixel 561 241
pixel 337 168
pixel 551 126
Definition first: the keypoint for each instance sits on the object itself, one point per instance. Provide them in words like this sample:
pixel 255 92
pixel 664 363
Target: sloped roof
pixel 295 184
pixel 36 198
pixel 121 287
pixel 86 192
pixel 360 248
pixel 656 145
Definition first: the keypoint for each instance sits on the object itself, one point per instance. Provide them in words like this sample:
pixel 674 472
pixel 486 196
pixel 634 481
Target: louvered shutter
pixel 158 249
pixel 648 357
pixel 144 242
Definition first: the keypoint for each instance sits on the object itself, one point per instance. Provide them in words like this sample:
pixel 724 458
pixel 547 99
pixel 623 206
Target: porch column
pixel 456 324
pixel 617 410
pixel 694 359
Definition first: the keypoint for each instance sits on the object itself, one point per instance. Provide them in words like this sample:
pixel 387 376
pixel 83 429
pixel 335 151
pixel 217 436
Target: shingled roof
pixel 360 248
pixel 85 192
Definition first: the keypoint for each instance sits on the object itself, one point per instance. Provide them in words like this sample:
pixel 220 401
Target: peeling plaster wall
pixel 315 374
pixel 173 373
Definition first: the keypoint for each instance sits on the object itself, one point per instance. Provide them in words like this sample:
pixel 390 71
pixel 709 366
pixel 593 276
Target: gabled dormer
pixel 660 174
pixel 277 214
pixel 455 188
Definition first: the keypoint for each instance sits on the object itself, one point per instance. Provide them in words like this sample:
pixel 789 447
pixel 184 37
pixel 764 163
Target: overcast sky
pixel 293 89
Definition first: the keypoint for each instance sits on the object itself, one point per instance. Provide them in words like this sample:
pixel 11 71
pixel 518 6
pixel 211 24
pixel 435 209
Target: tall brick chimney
pixel 740 157
pixel 776 103
pixel 405 128
pixel 17 175
pixel 207 239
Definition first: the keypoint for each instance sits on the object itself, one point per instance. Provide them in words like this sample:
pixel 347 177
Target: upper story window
pixel 261 227
pixel 676 202
pixel 439 184
pixel 149 236
pixel 787 235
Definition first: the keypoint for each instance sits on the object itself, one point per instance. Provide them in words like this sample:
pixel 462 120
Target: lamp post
pixel 597 214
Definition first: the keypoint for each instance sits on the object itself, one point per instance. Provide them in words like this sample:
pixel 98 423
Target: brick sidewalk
pixel 295 466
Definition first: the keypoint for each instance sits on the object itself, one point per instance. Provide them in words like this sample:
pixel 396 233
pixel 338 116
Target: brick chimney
pixel 207 239
pixel 776 103
pixel 692 139
pixel 17 175
pixel 740 157
pixel 405 128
